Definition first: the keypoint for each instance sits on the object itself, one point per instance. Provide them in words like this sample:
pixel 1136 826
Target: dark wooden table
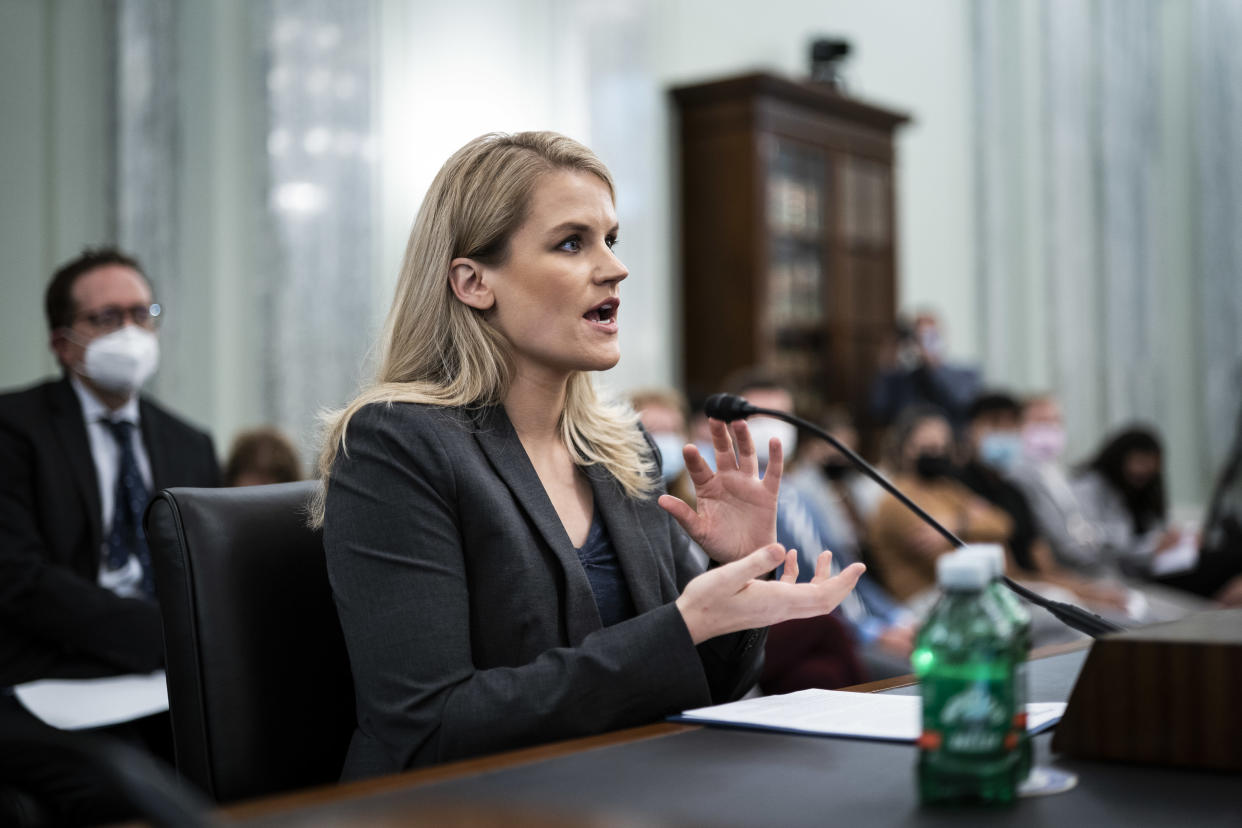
pixel 673 774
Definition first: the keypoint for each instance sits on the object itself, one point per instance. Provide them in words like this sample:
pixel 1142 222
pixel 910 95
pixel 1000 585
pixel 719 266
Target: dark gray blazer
pixel 470 623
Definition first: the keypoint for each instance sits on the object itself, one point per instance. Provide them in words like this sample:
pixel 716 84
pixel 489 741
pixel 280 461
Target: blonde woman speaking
pixel 503 570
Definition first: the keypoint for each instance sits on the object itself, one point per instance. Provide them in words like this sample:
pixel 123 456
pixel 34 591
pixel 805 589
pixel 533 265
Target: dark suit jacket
pixel 470 623
pixel 55 620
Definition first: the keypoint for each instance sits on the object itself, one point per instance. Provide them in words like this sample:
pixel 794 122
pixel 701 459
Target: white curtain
pixel 247 190
pixel 1216 32
pixel 316 298
pixel 147 160
pixel 1108 256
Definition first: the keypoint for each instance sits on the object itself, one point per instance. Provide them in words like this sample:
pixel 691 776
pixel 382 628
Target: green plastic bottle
pixel 964 657
pixel 1020 618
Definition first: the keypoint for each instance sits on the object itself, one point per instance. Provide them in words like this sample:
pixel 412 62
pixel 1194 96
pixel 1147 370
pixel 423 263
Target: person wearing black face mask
pixel 933 465
pixel 838 472
pixel 903 546
pixel 834 484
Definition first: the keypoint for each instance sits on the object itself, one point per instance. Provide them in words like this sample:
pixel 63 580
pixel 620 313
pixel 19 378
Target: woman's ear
pixel 466 278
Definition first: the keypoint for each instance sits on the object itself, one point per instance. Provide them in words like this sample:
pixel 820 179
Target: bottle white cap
pixel 992 553
pixel 962 572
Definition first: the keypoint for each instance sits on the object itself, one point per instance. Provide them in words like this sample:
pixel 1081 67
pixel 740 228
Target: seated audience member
pixel 831 486
pixel 1218 572
pixel 260 456
pixel 881 633
pixel 662 411
pixel 699 428
pixel 79 458
pixel 815 653
pixel 827 479
pixel 1076 542
pixel 504 564
pixel 1121 491
pixel 849 490
pixel 993 450
pixel 922 376
pixel 905 548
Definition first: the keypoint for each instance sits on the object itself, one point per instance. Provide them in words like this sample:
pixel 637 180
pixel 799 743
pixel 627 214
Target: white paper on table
pixel 884 717
pixel 1181 557
pixel 75 704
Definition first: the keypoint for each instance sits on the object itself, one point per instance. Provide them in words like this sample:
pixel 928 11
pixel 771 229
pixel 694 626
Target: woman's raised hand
pixel 736 509
pixel 730 598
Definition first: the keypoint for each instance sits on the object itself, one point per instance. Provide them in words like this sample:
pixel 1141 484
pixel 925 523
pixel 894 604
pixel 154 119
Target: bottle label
pixel 975 717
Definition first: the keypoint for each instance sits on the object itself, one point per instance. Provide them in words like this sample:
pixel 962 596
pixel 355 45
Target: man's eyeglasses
pixel 112 317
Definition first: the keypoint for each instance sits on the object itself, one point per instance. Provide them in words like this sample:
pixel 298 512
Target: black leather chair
pixel 259 687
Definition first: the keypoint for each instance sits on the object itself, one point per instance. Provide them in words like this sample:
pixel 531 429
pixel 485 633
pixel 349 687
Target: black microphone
pixel 729 407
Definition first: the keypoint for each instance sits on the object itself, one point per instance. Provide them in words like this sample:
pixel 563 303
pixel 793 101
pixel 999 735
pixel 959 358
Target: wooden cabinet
pixel 787 236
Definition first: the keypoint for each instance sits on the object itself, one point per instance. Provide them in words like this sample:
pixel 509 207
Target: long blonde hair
pixel 436 350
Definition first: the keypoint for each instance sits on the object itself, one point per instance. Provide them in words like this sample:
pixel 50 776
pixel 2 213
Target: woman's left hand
pixel 733 597
pixel 736 509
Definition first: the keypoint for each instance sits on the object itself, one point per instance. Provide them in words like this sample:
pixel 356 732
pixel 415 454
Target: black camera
pixel 827 54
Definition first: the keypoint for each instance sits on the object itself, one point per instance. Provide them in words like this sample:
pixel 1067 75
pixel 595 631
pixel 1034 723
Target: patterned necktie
pixel 129 499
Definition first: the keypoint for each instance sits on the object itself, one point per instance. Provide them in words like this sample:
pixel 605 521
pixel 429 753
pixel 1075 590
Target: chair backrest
pixel 259 687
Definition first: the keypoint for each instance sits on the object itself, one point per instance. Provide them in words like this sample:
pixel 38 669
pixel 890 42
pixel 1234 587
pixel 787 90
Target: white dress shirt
pixel 126 581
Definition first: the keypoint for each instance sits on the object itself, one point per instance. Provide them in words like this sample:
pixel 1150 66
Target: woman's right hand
pixel 730 598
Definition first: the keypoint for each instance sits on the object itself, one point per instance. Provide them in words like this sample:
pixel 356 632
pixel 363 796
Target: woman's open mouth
pixel 604 315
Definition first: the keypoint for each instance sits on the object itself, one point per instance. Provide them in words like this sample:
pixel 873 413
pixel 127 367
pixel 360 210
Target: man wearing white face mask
pixel 662 411
pixel 79 459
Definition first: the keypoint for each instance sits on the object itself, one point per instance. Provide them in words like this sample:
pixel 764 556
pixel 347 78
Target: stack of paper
pixel 884 717
pixel 73 704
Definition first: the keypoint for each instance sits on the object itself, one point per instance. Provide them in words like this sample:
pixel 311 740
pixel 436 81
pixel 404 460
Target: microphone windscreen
pixel 727 407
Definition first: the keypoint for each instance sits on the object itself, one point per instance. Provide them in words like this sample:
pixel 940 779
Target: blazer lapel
pixel 67 423
pixel 629 541
pixel 500 444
